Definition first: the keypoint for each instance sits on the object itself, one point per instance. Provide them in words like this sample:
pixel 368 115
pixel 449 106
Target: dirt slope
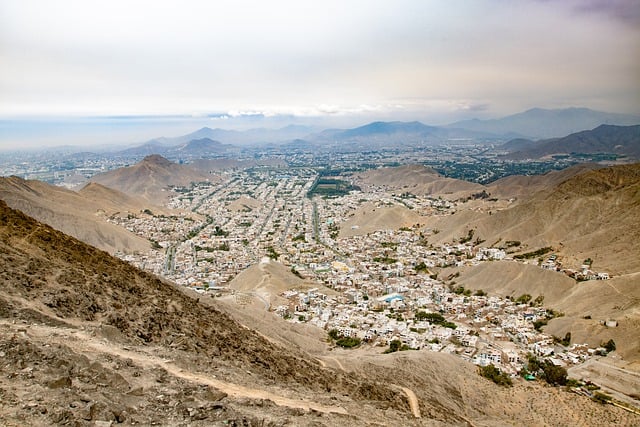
pixel 81 215
pixel 416 179
pixel 150 179
pixel 369 218
pixel 595 214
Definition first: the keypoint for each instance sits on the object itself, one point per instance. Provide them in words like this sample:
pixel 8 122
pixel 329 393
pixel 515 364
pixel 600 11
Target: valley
pixel 390 284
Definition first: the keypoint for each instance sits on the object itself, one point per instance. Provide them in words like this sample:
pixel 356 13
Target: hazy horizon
pixel 330 64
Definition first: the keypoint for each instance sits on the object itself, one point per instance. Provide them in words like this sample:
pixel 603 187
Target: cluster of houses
pixel 377 286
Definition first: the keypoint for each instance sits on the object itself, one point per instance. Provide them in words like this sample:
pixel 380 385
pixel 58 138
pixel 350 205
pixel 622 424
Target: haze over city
pixel 329 64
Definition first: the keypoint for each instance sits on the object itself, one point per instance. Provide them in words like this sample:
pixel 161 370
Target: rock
pixel 137 391
pixel 214 395
pixel 63 382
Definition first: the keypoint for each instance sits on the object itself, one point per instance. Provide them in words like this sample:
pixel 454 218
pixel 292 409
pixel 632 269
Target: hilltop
pixel 80 214
pixel 416 179
pixel 150 178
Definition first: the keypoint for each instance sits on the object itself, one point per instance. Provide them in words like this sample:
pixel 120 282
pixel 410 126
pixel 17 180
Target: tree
pixel 495 375
pixel 554 375
pixel 609 345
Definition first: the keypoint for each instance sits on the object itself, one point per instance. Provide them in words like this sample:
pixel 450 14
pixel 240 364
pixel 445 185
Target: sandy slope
pixel 81 215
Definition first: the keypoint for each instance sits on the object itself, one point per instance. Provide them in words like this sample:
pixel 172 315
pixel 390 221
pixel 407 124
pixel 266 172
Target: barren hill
pixel 150 179
pixel 416 179
pixel 369 218
pixel 77 214
pixel 89 340
pixel 268 279
pixel 595 214
pixel 524 186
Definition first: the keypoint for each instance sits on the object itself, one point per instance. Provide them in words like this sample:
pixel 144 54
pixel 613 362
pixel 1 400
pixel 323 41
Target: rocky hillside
pixel 621 140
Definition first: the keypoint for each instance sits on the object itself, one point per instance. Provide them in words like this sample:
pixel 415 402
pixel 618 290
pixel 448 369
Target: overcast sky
pixel 402 59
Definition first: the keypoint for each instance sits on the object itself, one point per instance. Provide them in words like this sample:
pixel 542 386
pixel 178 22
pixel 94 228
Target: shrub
pixel 495 375
pixel 348 342
pixel 609 345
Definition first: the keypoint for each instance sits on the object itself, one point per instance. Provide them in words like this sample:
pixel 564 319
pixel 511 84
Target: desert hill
pixel 244 203
pixel 416 179
pixel 369 218
pixel 621 140
pixel 82 215
pixel 268 279
pixel 595 214
pixel 99 340
pixel 150 178
pixel 524 186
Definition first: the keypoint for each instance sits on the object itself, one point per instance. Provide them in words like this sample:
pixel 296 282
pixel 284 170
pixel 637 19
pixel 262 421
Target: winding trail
pixel 411 396
pixel 86 343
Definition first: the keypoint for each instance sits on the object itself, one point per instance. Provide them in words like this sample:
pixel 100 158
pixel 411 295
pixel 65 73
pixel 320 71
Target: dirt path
pixel 411 396
pixel 87 343
pixel 413 401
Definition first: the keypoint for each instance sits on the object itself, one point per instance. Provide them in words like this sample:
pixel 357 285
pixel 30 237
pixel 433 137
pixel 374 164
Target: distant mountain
pixel 150 178
pixel 541 123
pixel 378 135
pixel 623 140
pixel 168 145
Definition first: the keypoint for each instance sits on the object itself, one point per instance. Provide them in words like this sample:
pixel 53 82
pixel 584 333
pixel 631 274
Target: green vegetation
pixel 609 346
pixel 563 341
pixel 546 370
pixel 468 238
pixel 385 260
pixel 217 231
pixel 435 319
pixel 494 374
pixel 421 267
pixel 342 341
pixel 601 398
pixel 299 238
pixel 480 293
pixel 538 324
pixel 330 187
pixel 396 345
pixel 523 299
pixel 271 253
pixel 534 254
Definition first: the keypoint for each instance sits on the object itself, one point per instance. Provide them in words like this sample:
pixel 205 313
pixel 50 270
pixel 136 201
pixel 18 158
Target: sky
pixel 428 60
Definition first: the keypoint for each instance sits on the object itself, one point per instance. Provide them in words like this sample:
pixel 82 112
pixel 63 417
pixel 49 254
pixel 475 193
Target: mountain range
pixel 532 124
pixel 620 140
pixel 539 123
